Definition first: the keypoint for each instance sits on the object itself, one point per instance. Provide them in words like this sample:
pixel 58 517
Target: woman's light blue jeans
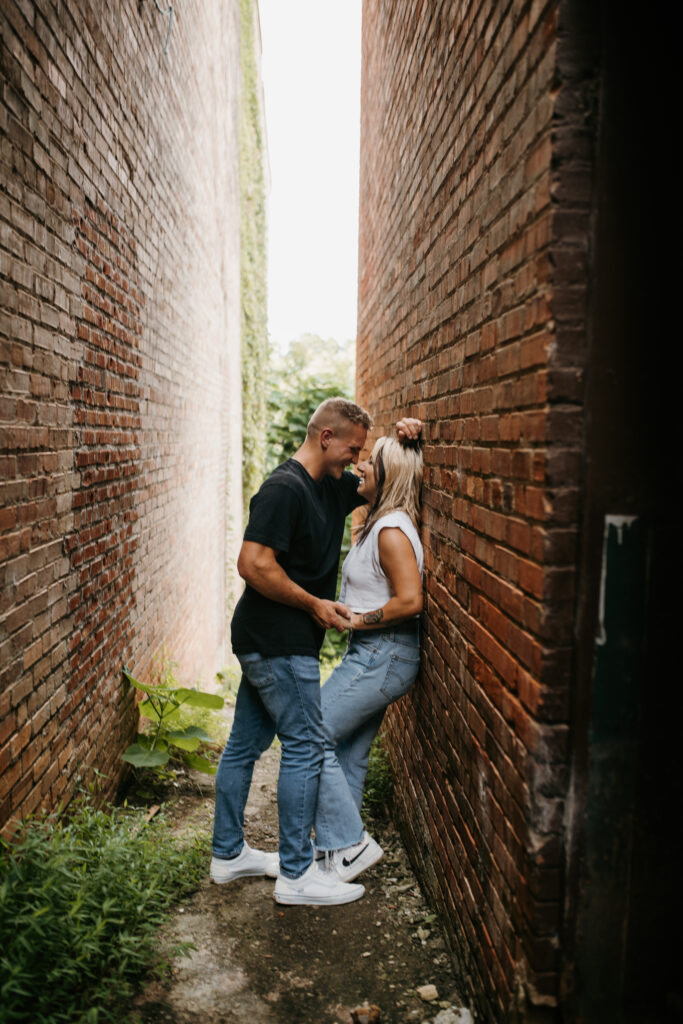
pixel 276 695
pixel 379 666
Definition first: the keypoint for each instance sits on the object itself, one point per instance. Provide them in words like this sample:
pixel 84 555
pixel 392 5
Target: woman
pixel 382 586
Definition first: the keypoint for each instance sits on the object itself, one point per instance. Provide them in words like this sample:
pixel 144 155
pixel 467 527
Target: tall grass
pixel 80 902
pixel 379 781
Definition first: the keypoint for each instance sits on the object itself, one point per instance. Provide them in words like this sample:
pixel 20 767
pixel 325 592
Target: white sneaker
pixel 316 888
pixel 349 862
pixel 247 862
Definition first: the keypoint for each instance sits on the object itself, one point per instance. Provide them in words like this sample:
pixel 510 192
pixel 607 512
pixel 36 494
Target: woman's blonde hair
pixel 398 474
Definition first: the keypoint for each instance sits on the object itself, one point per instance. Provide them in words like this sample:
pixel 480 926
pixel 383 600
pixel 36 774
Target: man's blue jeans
pixel 378 667
pixel 276 695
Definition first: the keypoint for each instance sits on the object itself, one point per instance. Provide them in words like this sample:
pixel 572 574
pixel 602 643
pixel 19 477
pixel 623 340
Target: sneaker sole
pixel 292 899
pixel 241 874
pixel 354 873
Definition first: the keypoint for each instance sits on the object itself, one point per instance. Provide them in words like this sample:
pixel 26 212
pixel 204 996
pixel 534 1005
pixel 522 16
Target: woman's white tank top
pixel 365 585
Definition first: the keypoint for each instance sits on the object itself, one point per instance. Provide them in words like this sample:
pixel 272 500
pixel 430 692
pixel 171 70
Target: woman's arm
pixel 398 561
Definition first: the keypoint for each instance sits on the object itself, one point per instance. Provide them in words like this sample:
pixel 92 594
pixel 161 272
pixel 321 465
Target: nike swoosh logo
pixel 348 863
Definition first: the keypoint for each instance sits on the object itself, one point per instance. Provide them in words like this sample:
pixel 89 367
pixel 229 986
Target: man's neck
pixel 312 459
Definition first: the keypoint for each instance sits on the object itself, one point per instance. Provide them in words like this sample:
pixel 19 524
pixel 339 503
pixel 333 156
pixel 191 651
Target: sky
pixel 311 82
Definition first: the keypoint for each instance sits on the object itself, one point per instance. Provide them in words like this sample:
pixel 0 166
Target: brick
pixel 488 311
pixel 89 489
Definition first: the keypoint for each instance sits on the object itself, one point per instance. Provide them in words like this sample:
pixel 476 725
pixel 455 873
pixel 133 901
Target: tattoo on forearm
pixel 371 618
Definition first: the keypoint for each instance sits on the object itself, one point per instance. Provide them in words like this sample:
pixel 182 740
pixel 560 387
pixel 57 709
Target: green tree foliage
pixel 252 258
pixel 309 372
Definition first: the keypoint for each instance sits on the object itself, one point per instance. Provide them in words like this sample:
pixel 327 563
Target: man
pixel 289 560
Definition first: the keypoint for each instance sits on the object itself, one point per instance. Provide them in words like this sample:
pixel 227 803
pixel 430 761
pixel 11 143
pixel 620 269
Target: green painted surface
pixel 253 262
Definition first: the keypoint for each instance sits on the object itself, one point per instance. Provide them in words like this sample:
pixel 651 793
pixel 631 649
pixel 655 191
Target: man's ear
pixel 326 436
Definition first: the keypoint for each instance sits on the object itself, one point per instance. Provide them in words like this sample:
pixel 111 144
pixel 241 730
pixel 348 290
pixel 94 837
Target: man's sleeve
pixel 273 514
pixel 350 482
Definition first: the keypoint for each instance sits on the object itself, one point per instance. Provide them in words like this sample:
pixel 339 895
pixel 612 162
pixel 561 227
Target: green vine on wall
pixel 253 259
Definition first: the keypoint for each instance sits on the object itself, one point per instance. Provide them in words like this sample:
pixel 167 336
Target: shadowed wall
pixel 502 260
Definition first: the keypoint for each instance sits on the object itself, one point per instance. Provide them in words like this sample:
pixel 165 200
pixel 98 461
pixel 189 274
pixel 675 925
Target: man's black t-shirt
pixel 303 520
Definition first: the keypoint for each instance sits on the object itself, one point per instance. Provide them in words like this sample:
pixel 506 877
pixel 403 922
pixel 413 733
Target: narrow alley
pixel 257 962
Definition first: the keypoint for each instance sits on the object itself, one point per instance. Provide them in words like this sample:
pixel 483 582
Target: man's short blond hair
pixel 337 414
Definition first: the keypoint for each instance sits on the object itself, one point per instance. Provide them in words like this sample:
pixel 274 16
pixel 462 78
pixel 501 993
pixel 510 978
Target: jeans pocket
pixel 365 650
pixel 400 676
pixel 256 668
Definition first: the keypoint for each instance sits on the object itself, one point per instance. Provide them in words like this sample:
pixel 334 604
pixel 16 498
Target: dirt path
pixel 257 962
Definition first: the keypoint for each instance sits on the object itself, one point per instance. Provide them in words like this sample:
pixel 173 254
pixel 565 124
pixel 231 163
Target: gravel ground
pixel 257 962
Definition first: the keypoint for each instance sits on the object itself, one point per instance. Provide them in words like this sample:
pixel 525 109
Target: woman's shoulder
pixel 397 518
pixel 400 520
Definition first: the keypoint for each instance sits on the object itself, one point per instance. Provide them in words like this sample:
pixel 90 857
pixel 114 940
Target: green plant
pixel 211 720
pixel 166 734
pixel 80 903
pixel 229 679
pixel 379 781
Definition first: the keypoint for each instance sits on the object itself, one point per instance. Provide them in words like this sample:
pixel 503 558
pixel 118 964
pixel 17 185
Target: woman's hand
pixel 331 615
pixel 258 566
pixel 408 429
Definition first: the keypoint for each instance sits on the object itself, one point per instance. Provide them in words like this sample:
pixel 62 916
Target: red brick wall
pixel 475 190
pixel 119 356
